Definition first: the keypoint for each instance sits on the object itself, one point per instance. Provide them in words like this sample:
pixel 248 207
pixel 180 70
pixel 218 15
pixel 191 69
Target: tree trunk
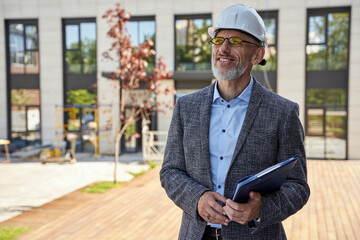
pixel 119 134
pixel 117 152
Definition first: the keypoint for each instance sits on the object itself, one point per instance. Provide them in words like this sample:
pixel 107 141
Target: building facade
pixel 51 58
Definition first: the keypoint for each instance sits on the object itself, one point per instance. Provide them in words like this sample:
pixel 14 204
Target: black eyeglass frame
pixel 211 41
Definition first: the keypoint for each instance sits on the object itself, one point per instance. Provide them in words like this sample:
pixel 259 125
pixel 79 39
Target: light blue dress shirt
pixel 226 121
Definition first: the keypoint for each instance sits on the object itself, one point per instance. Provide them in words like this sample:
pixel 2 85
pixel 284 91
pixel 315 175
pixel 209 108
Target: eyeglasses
pixel 232 41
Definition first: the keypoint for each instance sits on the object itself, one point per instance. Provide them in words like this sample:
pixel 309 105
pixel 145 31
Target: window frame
pixel 326 79
pixel 145 18
pixel 329 78
pixel 25 23
pixel 201 75
pixel 73 81
pixel 272 74
pixel 23 80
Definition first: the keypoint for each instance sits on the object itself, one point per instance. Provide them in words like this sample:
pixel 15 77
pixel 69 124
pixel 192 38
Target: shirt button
pixel 223 130
pixel 219 186
pixel 228 106
pixel 221 158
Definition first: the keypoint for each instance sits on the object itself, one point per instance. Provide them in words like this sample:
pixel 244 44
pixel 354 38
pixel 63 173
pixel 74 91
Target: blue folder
pixel 266 181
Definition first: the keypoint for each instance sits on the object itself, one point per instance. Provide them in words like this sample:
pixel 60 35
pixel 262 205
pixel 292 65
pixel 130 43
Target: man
pixel 229 130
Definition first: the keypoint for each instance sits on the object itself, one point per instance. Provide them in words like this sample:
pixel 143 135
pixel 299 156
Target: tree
pixel 81 97
pixel 131 69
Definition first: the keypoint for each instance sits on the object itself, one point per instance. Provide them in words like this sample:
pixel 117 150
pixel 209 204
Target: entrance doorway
pixel 82 121
pixel 326 132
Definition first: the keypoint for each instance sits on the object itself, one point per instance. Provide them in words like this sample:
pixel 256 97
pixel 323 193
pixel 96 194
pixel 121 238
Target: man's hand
pixel 210 210
pixel 244 213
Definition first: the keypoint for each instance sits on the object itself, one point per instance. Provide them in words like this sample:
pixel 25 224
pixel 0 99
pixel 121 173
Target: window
pixel 23 88
pixel 80 80
pixel 80 43
pixel 327 83
pixel 327 41
pixel 266 75
pixel 193 50
pixel 140 29
pixel 25 115
pixel 23 48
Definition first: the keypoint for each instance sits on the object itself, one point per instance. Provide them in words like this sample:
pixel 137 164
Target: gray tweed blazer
pixel 271 133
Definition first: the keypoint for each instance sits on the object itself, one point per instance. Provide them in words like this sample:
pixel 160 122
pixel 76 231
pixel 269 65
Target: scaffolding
pixel 80 123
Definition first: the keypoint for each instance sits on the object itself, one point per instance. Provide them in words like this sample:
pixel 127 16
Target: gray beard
pixel 236 72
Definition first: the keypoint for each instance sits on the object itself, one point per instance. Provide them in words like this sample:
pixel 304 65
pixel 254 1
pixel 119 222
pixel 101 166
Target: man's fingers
pixel 255 196
pixel 211 199
pixel 216 206
pixel 243 213
pixel 219 197
pixel 234 205
pixel 209 208
pixel 234 215
pixel 214 217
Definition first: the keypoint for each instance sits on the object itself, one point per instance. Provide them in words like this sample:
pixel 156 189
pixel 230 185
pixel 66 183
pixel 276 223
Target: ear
pixel 258 56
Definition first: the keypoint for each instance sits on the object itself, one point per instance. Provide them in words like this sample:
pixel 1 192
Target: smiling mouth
pixel 225 59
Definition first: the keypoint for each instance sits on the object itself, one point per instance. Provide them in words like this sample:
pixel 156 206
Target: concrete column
pixel 108 91
pixel 165 32
pixel 3 86
pixel 108 102
pixel 354 84
pixel 51 74
pixel 166 105
pixel 291 53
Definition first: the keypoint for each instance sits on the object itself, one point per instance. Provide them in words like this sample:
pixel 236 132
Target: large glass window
pixel 140 29
pixel 23 88
pixel 80 43
pixel 80 80
pixel 327 83
pixel 25 116
pixel 328 41
pixel 193 51
pixel 23 48
pixel 79 54
pixel 266 75
pixel 326 123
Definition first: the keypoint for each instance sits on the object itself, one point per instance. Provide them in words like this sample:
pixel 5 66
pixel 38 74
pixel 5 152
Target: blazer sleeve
pixel 181 188
pixel 295 191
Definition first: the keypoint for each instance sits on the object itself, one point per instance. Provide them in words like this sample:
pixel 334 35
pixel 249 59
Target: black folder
pixel 266 181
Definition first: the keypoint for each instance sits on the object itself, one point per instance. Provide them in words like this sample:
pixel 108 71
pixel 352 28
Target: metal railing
pixel 153 144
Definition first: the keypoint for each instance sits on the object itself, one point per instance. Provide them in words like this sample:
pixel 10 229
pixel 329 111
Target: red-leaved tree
pixel 130 71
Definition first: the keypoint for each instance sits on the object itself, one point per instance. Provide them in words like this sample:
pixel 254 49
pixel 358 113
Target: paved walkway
pixel 25 185
pixel 141 210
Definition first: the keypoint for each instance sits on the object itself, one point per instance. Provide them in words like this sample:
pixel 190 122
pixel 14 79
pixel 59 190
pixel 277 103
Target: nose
pixel 225 47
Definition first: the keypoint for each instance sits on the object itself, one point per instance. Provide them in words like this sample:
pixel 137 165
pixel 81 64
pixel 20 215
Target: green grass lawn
pixel 105 186
pixel 101 187
pixel 152 165
pixel 9 233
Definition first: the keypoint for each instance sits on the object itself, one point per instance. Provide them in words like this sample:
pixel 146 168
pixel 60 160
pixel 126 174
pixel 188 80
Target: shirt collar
pixel 245 95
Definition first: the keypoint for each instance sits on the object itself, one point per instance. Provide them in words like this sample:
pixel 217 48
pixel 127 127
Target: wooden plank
pixel 141 210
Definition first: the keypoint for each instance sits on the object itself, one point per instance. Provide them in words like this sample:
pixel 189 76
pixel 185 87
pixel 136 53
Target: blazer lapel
pixel 253 108
pixel 205 113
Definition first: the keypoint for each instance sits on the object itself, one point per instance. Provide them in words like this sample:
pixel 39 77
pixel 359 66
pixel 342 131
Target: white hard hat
pixel 243 18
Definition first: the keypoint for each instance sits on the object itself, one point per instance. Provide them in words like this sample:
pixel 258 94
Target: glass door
pixel 326 124
pixel 327 54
